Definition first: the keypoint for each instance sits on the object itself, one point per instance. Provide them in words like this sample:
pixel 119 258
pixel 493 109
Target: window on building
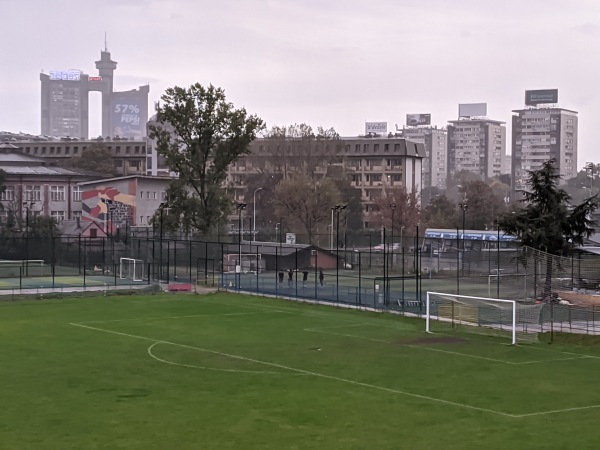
pixel 164 195
pixel 76 215
pixel 58 216
pixel 154 197
pixel 8 194
pixel 141 195
pixel 32 193
pixel 147 195
pixel 77 191
pixel 57 193
pixel 141 220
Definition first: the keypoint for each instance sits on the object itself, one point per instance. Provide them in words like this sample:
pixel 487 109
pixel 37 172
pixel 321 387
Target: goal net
pixel 512 285
pixel 481 315
pixel 131 269
pixel 249 262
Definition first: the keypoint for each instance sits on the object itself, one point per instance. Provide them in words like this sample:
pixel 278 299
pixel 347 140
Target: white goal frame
pixel 123 261
pixel 513 303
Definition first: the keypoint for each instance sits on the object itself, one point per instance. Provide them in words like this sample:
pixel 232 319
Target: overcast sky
pixel 334 63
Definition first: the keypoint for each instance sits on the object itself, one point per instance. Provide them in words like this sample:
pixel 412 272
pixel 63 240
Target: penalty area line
pixel 307 372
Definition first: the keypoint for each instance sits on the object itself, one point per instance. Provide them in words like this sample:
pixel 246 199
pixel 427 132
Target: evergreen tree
pixel 548 222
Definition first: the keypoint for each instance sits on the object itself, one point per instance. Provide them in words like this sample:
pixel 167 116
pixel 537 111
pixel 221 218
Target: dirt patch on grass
pixel 434 340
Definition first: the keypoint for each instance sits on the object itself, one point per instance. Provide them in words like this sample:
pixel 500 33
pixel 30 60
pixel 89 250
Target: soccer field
pixel 227 371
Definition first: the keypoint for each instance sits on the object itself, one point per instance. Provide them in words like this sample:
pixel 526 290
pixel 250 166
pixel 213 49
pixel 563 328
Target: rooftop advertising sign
pixel 541 96
pixel 376 127
pixel 413 120
pixel 472 110
pixel 65 75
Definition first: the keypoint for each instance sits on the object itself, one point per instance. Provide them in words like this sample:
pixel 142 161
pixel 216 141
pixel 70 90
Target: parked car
pixel 390 247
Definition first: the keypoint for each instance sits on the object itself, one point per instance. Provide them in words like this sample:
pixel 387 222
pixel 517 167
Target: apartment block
pixel 542 133
pixel 434 164
pixel 476 145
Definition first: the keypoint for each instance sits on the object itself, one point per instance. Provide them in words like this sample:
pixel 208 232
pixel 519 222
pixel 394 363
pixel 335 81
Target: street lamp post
pixel 338 209
pixel 240 207
pixel 161 209
pixel 393 207
pixel 27 209
pixel 463 205
pixel 254 214
pixel 331 230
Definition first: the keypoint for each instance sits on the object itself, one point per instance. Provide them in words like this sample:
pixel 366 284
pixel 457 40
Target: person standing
pixel 321 277
pixel 304 277
pixel 280 275
pixel 290 277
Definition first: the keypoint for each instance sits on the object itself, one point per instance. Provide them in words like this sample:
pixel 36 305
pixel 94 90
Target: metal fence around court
pixel 386 277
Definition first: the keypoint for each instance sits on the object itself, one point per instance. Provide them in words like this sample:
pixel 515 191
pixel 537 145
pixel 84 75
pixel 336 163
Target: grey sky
pixel 335 63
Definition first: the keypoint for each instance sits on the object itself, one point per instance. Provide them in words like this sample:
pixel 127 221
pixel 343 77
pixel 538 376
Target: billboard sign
pixel 413 120
pixel 95 78
pixel 541 96
pixel 128 114
pixel 376 127
pixel 65 75
pixel 472 110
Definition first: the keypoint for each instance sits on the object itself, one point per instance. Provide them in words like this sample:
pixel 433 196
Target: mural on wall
pixel 108 207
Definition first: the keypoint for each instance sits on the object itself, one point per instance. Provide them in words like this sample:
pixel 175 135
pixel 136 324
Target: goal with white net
pixel 131 269
pixel 481 315
pixel 250 262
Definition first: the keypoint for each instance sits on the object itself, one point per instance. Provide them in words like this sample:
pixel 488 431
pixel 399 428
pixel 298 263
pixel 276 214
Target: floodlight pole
pixel 240 207
pixel 338 209
pixel 463 205
pixel 393 207
pixel 254 215
pixel 161 208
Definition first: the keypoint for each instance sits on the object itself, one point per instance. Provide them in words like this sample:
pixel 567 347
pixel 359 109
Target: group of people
pixel 290 273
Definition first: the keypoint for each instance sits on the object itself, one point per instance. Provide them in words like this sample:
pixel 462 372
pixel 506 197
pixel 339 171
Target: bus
pixel 440 240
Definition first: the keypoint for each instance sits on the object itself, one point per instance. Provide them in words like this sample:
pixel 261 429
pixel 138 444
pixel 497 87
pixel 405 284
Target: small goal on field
pixel 131 269
pixel 244 263
pixel 488 316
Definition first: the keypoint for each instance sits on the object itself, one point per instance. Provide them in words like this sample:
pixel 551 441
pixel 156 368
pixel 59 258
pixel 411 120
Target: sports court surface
pixel 243 372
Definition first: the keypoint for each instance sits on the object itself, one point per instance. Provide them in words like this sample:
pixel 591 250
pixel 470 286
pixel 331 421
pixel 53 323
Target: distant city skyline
pixel 333 64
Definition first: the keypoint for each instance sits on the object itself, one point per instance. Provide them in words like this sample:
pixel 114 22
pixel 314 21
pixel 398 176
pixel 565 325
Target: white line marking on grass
pixel 192 366
pixel 424 347
pixel 307 372
pixel 556 411
pixel 171 317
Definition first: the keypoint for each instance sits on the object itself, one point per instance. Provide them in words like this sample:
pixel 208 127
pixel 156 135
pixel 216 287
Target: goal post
pixel 131 269
pixel 481 315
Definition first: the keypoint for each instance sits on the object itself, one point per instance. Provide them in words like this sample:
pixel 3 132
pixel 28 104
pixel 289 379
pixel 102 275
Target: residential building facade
pixel 540 134
pixel 375 165
pixel 476 145
pixel 435 162
pixel 129 156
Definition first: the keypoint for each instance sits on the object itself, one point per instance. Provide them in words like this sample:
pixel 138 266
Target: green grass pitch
pixel 226 371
